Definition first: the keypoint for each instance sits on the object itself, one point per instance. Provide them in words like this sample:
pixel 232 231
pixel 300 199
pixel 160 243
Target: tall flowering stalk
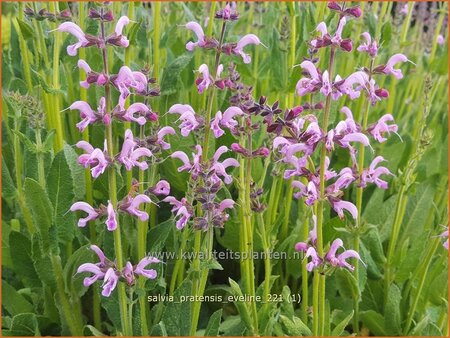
pixel 134 152
pixel 207 175
pixel 299 136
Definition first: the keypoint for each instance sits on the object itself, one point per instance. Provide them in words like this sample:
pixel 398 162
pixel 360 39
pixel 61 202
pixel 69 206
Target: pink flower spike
pixel 76 31
pixel 197 29
pixel 140 267
pixel 110 282
pixel 111 222
pixel 244 41
pixel 83 206
pixel 133 209
pixel 161 134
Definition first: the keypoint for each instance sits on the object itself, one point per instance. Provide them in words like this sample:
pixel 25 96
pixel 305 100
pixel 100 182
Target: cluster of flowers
pixel 208 175
pixel 133 149
pixel 44 14
pixel 298 135
pixel 330 259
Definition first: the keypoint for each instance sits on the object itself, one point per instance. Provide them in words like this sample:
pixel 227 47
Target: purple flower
pixel 183 211
pixel 109 282
pixel 98 270
pixel 161 134
pixel 77 32
pixel 188 118
pixel 136 108
pixel 133 208
pixel 184 158
pixel 126 79
pixel 162 188
pixel 83 206
pixel 197 29
pixel 440 40
pixel 339 206
pixel 220 167
pixel 388 68
pixel 378 129
pixel 315 259
pixel 111 221
pixel 91 76
pixel 372 174
pixel 340 260
pixel 445 235
pixel 94 158
pixel 144 262
pixel 249 39
pixel 117 38
pixel 205 80
pixel 370 47
pixel 225 120
pixel 88 115
pixel 128 273
pixel 327 40
pixel 130 154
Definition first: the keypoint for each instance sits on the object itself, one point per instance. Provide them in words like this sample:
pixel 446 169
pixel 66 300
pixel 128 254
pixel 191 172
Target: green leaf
pixel 20 250
pixel 132 31
pixel 90 330
pixel 77 172
pixel 212 329
pixel 41 209
pixel 42 262
pixel 73 281
pixel 171 74
pixel 347 284
pixel 374 322
pixel 43 83
pixel 392 316
pixel 31 147
pixel 159 330
pixel 386 33
pixel 339 328
pixel 8 187
pixel 25 324
pixel 295 327
pixel 26 29
pixel 13 301
pixel 60 191
pixel 47 146
pixel 210 264
pixel 175 324
pixel 241 306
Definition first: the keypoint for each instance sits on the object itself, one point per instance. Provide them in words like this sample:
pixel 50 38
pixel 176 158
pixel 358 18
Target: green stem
pixel 178 262
pixel 425 266
pixel 40 159
pixel 55 98
pixel 359 199
pixel 24 50
pixel 304 238
pixel 112 184
pixel 319 295
pixel 73 320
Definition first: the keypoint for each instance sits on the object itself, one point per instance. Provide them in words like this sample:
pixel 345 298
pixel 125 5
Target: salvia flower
pixel 161 134
pixel 144 113
pixel 341 259
pixel 202 40
pixel 162 188
pixel 184 211
pixel 373 173
pixel 90 116
pixel 83 206
pixel 445 235
pixel 131 153
pixel 225 120
pixel 343 11
pixel 228 13
pixel 127 79
pixel 96 159
pixel 249 39
pixel 117 39
pixel 189 119
pixel 370 47
pixel 83 39
pixel 440 40
pixel 389 69
pixel 92 77
pixel 111 219
pixel 107 271
pixel 326 39
pixel 132 205
pixel 378 129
